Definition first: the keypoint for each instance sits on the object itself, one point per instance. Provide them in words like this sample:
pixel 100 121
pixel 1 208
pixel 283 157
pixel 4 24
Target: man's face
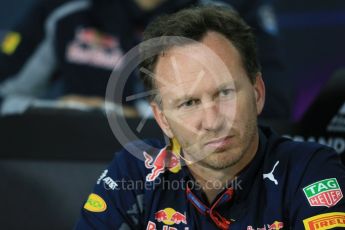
pixel 208 103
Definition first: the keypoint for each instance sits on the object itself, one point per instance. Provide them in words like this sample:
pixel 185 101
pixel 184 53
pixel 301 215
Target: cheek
pixel 189 121
pixel 183 134
pixel 244 109
pixel 228 109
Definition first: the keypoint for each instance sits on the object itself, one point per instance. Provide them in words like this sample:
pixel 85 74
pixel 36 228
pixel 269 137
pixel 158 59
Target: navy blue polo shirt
pixel 288 185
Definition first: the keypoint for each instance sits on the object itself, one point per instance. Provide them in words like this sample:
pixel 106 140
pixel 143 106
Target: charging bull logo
pixel 277 225
pixel 164 159
pixel 169 216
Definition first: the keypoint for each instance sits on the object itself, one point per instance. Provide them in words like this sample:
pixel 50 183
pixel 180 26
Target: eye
pixel 226 92
pixel 188 103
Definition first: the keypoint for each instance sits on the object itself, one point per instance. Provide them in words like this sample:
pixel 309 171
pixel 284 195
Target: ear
pixel 161 119
pixel 259 87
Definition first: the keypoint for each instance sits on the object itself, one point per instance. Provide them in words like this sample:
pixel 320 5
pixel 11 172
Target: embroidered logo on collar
pixel 91 47
pixel 270 175
pixel 325 221
pixel 323 193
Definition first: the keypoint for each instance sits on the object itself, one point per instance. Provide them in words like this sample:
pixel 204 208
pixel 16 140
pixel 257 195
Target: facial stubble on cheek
pixel 237 152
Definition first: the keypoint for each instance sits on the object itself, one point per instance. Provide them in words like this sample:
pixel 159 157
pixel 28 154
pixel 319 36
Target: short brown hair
pixel 193 23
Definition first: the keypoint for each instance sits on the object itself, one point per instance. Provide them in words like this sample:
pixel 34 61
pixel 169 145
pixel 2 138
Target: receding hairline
pixel 207 33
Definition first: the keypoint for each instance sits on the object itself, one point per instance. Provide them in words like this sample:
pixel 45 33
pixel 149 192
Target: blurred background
pixel 56 57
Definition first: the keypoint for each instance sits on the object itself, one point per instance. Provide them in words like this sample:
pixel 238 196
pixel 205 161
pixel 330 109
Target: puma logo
pixel 270 175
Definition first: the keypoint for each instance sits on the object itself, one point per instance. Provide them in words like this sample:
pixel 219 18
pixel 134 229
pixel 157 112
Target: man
pixel 231 173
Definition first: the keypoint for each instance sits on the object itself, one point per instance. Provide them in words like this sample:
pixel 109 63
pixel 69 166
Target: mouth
pixel 219 144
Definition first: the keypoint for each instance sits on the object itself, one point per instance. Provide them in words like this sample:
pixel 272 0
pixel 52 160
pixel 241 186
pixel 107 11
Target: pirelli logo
pixel 325 221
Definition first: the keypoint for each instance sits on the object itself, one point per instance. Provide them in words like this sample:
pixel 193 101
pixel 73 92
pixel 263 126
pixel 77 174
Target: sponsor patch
pixel 275 226
pixel 152 226
pixel 167 158
pixel 108 182
pixel 104 174
pixel 323 193
pixel 169 216
pixel 95 203
pixel 325 221
pixel 10 42
pixel 270 175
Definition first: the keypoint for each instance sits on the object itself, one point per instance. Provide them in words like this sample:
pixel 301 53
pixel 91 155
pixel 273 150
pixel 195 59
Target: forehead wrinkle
pixel 169 81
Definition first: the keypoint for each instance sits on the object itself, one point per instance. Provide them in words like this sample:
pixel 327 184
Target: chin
pixel 222 160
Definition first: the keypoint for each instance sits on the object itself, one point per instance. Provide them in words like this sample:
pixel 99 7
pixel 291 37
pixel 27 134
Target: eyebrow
pixel 183 98
pixel 227 84
pixel 190 97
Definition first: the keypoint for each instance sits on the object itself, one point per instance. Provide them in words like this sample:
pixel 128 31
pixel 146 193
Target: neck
pixel 213 181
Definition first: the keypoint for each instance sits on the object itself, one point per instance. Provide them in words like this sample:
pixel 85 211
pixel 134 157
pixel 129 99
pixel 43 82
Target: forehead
pixel 214 59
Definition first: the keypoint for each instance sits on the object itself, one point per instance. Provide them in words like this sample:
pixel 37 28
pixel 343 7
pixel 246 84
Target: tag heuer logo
pixel 323 193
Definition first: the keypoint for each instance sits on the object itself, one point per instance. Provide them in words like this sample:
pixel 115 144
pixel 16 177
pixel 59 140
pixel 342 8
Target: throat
pixel 212 194
pixel 212 182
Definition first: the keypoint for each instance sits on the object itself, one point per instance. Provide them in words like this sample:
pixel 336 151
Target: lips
pixel 219 143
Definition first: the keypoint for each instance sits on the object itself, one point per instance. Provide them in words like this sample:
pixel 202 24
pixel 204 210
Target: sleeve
pixel 117 199
pixel 318 202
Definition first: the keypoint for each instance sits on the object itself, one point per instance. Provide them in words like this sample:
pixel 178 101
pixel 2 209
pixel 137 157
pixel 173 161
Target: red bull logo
pixel 169 216
pixel 275 226
pixel 164 159
pixel 152 226
pixel 161 216
pixel 157 165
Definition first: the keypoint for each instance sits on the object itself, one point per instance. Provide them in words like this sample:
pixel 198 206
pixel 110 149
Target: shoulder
pixel 129 163
pixel 299 163
pixel 297 156
pixel 294 154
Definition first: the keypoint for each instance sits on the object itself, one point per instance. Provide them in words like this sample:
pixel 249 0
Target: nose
pixel 211 118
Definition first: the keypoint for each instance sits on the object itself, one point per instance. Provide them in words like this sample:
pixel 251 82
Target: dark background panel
pixel 11 11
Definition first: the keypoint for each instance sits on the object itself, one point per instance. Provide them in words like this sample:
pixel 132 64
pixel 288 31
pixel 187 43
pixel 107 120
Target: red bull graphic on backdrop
pixel 94 48
pixel 164 159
